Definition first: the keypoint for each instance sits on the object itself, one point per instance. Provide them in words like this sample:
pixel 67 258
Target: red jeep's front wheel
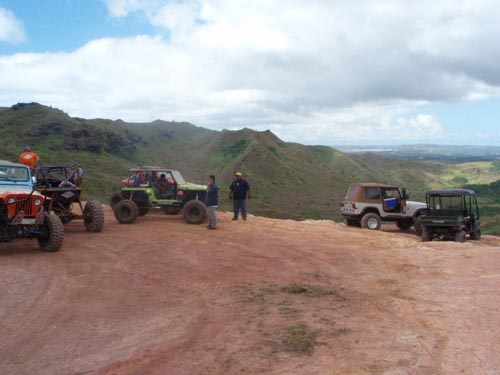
pixel 51 234
pixel 93 216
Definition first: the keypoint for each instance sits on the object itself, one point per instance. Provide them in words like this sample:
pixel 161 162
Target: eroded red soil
pixel 165 297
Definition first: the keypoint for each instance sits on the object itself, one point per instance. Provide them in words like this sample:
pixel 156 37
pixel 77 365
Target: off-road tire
pixel 52 234
pixel 460 236
pixel 426 236
pixel 417 224
pixel 172 210
pixel 126 212
pixel 143 211
pixel 93 217
pixel 349 222
pixel 476 235
pixel 371 221
pixel 404 224
pixel 115 198
pixel 194 212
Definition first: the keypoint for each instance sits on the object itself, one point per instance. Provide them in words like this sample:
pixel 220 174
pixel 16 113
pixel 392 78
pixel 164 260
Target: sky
pixel 326 72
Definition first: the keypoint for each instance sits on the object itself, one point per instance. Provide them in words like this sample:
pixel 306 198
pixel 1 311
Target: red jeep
pixel 21 210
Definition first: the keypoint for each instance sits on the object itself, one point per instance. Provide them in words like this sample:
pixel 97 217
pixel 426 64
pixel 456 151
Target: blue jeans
pixel 240 204
pixel 212 214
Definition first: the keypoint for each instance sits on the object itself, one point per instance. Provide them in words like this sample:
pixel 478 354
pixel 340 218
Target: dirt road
pixel 164 297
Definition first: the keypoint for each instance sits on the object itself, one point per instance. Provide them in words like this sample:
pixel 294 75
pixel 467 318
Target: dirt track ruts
pixel 165 297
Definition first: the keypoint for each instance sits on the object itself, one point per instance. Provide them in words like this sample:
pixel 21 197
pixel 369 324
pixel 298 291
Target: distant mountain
pixel 450 154
pixel 289 180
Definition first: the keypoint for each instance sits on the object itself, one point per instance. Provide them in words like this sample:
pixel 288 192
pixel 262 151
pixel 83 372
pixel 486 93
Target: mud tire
pixel 115 198
pixel 352 223
pixel 52 236
pixel 371 221
pixel 426 236
pixel 349 222
pixel 404 224
pixel 126 212
pixel 476 235
pixel 194 212
pixel 93 217
pixel 417 224
pixel 460 236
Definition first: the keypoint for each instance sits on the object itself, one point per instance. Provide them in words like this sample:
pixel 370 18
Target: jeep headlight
pixel 10 200
pixel 37 202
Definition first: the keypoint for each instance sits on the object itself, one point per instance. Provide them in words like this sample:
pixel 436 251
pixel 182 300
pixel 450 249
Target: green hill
pixel 289 180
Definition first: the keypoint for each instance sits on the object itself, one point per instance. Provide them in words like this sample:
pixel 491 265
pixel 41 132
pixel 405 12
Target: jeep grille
pixel 23 204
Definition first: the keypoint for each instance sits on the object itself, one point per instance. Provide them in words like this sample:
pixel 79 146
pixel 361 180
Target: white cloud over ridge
pixel 11 29
pixel 324 72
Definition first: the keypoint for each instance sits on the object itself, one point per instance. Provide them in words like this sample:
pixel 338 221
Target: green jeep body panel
pixel 451 211
pixel 156 187
pixel 147 195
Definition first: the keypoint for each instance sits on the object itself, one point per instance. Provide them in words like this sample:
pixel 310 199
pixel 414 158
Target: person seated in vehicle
pixel 162 185
pixel 76 177
pixel 139 179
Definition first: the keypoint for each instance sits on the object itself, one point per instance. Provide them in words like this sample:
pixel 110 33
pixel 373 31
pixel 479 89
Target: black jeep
pixel 452 214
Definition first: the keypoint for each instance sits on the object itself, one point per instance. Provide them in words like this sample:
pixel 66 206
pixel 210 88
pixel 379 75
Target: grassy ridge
pixel 289 180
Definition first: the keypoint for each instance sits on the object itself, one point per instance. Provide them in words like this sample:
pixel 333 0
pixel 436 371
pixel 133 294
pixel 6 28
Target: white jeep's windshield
pixel 12 173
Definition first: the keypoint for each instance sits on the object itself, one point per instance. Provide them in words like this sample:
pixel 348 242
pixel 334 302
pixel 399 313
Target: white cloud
pixel 11 29
pixel 317 72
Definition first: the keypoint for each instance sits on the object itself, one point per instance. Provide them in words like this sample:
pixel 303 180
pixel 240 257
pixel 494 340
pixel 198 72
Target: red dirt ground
pixel 164 297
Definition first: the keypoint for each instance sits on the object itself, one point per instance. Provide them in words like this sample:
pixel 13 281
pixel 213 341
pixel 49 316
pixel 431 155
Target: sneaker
pixel 211 228
pixel 244 219
pixel 235 218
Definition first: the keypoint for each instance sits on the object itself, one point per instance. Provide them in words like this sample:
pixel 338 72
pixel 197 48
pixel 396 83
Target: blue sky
pixel 321 72
pixel 65 25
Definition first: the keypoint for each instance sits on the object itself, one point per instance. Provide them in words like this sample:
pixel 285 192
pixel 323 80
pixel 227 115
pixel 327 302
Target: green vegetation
pixel 309 290
pixel 288 180
pixel 489 206
pixel 300 338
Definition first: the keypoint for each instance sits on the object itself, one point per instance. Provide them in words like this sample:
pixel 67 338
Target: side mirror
pixel 33 179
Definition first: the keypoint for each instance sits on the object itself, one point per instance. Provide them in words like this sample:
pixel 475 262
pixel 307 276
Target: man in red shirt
pixel 29 158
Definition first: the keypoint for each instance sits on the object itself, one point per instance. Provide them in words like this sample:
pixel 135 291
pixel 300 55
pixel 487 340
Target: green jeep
pixel 147 187
pixel 452 214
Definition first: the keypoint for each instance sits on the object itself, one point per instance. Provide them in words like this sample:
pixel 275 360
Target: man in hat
pixel 212 201
pixel 239 191
pixel 29 158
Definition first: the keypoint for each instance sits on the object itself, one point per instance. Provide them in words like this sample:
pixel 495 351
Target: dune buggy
pixel 62 185
pixel 453 214
pixel 22 212
pixel 156 187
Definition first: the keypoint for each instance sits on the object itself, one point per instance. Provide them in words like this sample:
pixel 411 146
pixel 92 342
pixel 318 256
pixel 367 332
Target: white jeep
pixel 368 204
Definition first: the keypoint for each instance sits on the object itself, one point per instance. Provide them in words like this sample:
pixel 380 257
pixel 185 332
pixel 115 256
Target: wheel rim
pixel 372 223
pixel 125 211
pixel 194 212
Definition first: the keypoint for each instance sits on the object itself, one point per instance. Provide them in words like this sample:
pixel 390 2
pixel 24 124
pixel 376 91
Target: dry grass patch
pixel 309 290
pixel 300 338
